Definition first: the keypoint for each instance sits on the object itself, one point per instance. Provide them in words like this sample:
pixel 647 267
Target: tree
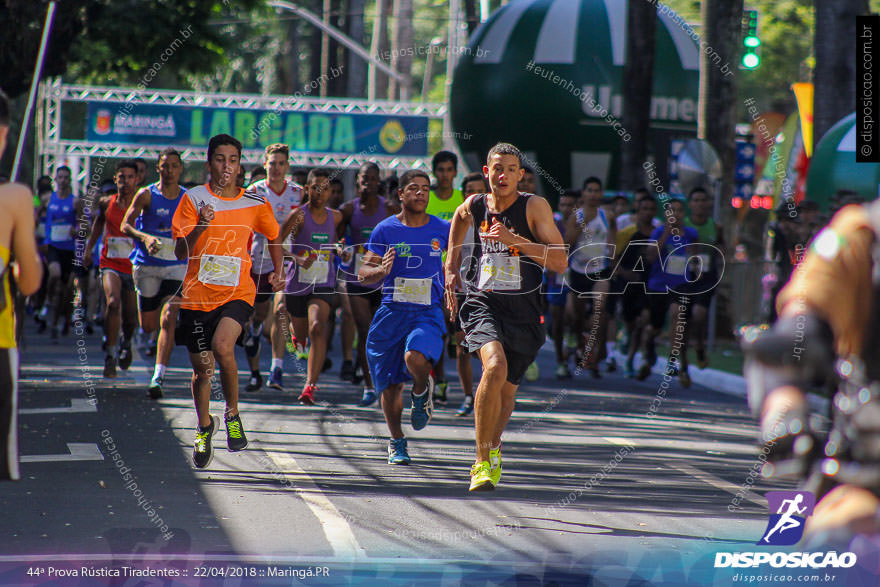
pixel 835 78
pixel 638 81
pixel 718 96
pixel 109 42
pixel 401 50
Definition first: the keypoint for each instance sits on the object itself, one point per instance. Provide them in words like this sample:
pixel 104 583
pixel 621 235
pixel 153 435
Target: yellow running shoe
pixel 481 477
pixel 495 465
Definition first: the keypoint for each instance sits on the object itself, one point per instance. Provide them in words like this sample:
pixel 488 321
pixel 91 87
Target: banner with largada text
pixel 315 132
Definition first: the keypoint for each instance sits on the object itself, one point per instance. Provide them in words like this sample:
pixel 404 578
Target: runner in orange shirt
pixel 213 227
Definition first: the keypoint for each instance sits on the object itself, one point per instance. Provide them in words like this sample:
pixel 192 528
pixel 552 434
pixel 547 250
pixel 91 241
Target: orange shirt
pixel 220 263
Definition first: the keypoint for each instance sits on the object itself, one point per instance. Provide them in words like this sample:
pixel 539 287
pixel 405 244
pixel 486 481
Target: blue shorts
pixel 557 297
pixel 393 332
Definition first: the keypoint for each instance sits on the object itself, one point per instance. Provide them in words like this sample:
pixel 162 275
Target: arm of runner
pixel 375 267
pixel 290 227
pixel 187 217
pixel 457 231
pixel 27 269
pixel 97 231
pixel 138 204
pixel 549 251
pixel 572 229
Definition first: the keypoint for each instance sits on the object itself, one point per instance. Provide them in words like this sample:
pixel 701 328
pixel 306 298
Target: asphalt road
pixel 592 469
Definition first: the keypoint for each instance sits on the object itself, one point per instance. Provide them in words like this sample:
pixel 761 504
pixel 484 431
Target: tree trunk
pixel 638 81
pixel 356 74
pixel 314 47
pixel 722 31
pixel 402 50
pixel 287 63
pixel 378 80
pixel 471 16
pixel 835 74
pixel 338 52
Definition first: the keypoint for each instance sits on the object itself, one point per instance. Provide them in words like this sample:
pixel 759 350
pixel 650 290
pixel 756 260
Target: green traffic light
pixel 750 61
pixel 751 41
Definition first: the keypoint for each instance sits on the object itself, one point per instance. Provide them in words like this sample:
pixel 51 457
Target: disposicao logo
pixel 786 526
pixel 789 511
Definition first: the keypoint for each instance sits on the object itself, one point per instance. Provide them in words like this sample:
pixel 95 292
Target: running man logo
pixel 786 526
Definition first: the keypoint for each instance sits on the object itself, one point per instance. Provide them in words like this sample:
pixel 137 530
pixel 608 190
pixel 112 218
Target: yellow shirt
pixel 7 316
pixel 444 209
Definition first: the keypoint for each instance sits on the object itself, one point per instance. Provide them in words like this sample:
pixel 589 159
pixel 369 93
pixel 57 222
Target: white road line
pixel 79 451
pixel 336 528
pixel 721 483
pixel 77 406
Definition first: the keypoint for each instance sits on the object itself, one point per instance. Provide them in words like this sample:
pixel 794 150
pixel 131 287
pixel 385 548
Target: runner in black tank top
pixel 515 238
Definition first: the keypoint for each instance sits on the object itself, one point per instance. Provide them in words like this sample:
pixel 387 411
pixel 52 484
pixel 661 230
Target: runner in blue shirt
pixel 406 335
pixel 669 276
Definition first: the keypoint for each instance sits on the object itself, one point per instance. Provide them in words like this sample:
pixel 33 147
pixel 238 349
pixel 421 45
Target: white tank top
pixel 282 204
pixel 590 252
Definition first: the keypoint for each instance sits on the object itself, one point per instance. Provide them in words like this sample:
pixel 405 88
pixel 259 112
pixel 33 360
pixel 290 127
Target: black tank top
pixel 508 281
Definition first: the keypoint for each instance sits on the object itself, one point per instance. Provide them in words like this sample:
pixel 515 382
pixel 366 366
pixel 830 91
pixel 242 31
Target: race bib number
pixel 413 291
pixel 675 265
pixel 358 259
pixel 60 232
pixel 166 249
pixel 705 262
pixel 118 247
pixel 499 272
pixel 219 270
pixel 318 271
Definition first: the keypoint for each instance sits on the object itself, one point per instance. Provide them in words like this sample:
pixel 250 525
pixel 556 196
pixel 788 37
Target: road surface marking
pixel 77 406
pixel 721 484
pixel 79 451
pixel 336 528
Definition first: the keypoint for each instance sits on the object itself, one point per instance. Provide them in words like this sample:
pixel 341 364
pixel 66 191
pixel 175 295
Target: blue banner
pixel 313 132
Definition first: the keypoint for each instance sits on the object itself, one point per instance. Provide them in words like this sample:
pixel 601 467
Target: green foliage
pixel 113 42
pixel 785 28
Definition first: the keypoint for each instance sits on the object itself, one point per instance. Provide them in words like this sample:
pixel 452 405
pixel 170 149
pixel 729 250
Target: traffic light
pixel 751 43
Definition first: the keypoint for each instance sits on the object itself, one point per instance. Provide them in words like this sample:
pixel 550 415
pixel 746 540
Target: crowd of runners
pixel 408 269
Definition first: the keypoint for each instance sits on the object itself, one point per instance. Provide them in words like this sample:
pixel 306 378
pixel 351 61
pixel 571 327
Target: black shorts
pixel 632 301
pixel 64 258
pixel 8 414
pixel 582 284
pixel 658 304
pixel 298 306
pixel 701 291
pixel 195 328
pixel 521 341
pixel 374 295
pixel 264 288
pixel 460 296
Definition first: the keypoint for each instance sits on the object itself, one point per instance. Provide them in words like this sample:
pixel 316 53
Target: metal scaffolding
pixel 78 154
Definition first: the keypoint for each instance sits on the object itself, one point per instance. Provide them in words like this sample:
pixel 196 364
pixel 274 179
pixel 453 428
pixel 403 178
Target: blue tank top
pixel 60 221
pixel 320 240
pixel 156 221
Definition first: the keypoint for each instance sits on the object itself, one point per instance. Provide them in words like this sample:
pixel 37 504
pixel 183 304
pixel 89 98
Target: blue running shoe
pixel 370 397
pixel 275 379
pixel 422 406
pixel 397 454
